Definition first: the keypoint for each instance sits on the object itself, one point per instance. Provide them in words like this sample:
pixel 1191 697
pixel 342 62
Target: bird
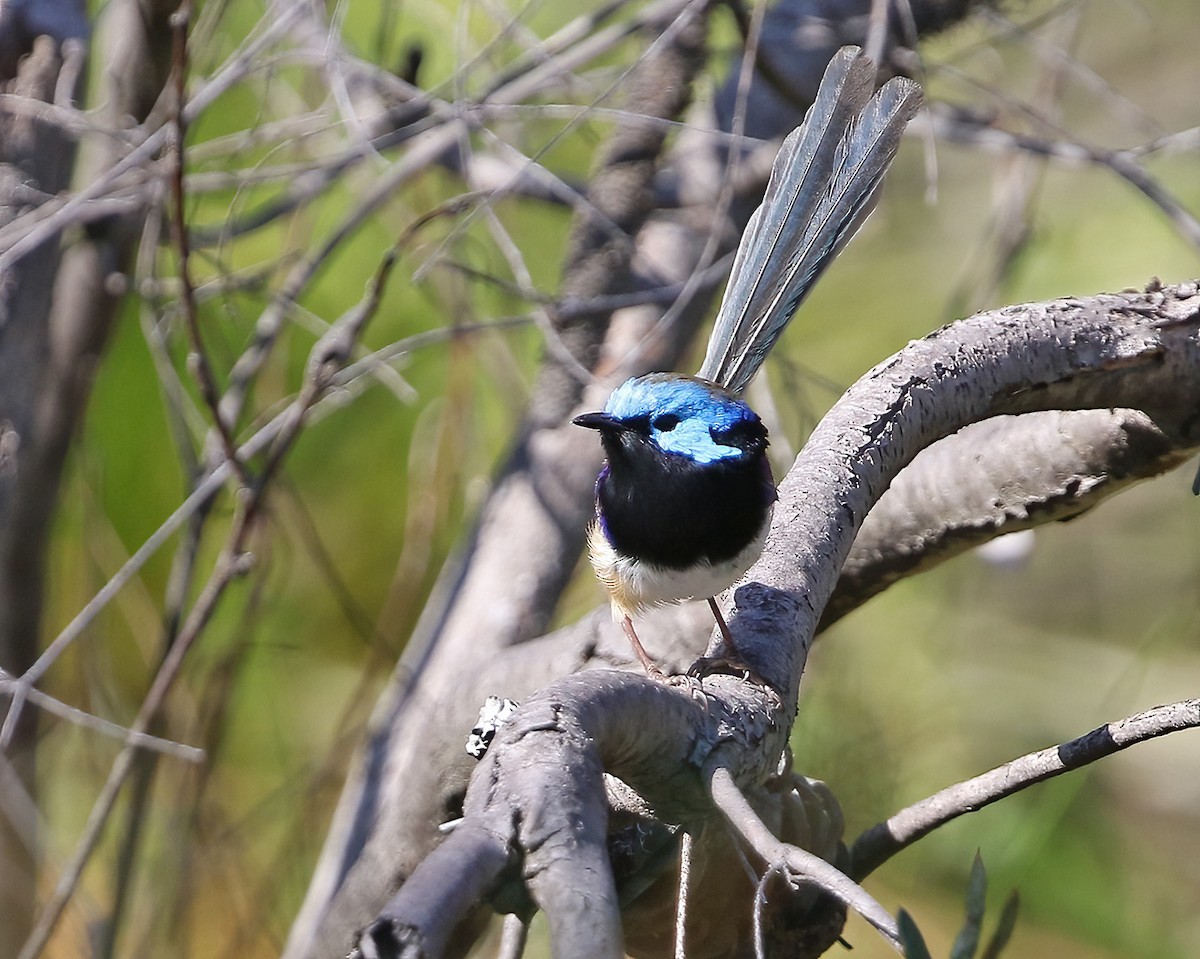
pixel 684 500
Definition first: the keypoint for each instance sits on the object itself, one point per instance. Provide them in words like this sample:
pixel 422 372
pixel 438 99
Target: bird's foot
pixel 725 658
pixel 722 662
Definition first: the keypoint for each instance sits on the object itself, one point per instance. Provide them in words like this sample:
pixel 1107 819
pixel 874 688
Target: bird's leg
pixel 639 650
pixel 725 658
pixel 727 650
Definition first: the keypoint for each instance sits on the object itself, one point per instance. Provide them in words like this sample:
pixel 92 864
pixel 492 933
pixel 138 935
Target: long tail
pixel 823 185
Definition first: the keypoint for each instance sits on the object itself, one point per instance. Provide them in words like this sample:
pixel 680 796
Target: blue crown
pixel 685 414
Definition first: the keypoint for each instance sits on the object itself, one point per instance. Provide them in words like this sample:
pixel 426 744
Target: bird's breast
pixel 634 584
pixel 674 513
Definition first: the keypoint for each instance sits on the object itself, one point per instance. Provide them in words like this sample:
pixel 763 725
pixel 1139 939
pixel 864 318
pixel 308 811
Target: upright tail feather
pixel 823 186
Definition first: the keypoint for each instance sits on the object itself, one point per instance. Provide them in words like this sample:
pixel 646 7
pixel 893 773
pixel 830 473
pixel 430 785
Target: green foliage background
pixel 937 680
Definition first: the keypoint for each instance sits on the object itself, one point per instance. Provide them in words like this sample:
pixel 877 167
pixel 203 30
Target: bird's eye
pixel 666 422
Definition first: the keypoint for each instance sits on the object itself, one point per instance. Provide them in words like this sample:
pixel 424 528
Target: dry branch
pixel 379 827
pixel 35 163
pixel 1133 349
pixel 967 489
pixel 538 508
pixel 535 509
pixel 879 843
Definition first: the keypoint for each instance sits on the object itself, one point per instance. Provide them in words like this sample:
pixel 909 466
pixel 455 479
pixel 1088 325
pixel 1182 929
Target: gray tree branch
pixel 968 488
pixel 1132 349
pixel 383 820
pixel 879 843
pixel 539 509
pixel 35 162
pixel 535 510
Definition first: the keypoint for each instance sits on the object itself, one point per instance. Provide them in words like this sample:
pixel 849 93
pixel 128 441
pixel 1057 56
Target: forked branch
pixel 1135 350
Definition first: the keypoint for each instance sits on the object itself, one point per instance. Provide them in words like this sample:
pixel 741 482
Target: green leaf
pixel 911 938
pixel 1004 931
pixel 968 938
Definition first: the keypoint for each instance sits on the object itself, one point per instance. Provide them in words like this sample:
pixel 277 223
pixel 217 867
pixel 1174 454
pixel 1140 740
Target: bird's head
pixel 678 415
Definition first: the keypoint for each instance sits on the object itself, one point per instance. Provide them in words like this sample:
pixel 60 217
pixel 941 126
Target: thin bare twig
pixel 877 32
pixel 271 321
pixel 678 20
pixel 1053 53
pixel 353 374
pixel 81 717
pixel 661 330
pixel 882 841
pixel 327 357
pixel 760 901
pixel 798 864
pixel 959 126
pixel 207 381
pixel 687 849
pixel 18 238
pixel 1018 183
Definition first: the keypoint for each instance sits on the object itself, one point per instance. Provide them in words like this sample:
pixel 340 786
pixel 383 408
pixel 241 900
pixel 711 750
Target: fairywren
pixel 684 501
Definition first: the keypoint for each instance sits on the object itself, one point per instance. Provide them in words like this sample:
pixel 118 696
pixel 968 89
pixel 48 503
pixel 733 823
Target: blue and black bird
pixel 684 501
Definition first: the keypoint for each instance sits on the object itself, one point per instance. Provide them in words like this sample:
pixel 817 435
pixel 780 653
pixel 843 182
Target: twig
pixel 229 565
pixel 957 126
pixel 17 240
pixel 327 356
pixel 567 36
pixel 520 84
pixel 882 841
pixel 662 294
pixel 798 864
pixel 1110 98
pixel 513 936
pixel 760 900
pixel 271 321
pixel 423 112
pixel 26 233
pixel 69 120
pixel 1018 183
pixel 596 218
pixel 179 235
pixel 687 850
pixel 695 281
pixel 179 410
pixel 453 878
pixel 81 717
pixel 542 317
pixel 877 32
pixel 208 487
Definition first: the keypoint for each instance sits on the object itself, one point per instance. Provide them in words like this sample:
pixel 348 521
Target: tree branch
pixel 421 918
pixel 1133 349
pixel 1130 349
pixel 538 507
pixel 797 864
pixel 970 487
pixel 882 841
pixel 327 357
pixel 35 163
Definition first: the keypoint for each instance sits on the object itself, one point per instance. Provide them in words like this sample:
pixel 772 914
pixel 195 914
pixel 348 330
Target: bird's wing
pixel 823 185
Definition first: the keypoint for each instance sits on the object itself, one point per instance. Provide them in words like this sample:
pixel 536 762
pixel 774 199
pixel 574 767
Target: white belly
pixel 633 585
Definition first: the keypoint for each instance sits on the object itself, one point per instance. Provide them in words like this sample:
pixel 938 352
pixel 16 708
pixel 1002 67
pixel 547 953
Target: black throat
pixel 667 509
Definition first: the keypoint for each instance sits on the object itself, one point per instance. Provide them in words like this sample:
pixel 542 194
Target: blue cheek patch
pixel 693 439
